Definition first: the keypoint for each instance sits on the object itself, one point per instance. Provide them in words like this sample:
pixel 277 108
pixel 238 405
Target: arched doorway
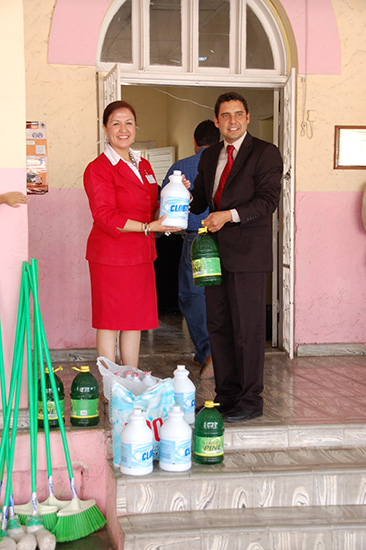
pixel 204 45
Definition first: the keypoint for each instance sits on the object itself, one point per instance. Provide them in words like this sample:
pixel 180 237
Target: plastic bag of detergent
pixel 124 395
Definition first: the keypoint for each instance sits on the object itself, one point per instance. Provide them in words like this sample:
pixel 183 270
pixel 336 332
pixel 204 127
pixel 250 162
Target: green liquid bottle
pixel 51 407
pixel 209 435
pixel 84 399
pixel 206 267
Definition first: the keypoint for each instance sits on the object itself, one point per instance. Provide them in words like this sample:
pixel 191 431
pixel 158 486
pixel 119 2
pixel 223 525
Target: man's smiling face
pixel 232 120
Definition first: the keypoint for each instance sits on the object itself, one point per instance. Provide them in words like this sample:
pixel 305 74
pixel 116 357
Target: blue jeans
pixel 192 302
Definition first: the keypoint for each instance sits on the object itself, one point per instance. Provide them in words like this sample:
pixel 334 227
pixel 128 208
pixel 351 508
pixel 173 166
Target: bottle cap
pixel 202 230
pixel 176 411
pixel 53 370
pixel 82 369
pixel 211 404
pixel 177 173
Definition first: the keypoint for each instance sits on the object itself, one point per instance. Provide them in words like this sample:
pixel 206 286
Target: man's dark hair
pixel 230 96
pixel 206 133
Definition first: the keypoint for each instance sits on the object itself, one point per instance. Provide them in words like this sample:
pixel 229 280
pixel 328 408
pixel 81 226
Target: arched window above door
pixel 191 38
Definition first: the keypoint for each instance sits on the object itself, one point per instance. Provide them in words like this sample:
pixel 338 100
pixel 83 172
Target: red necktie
pixel 224 175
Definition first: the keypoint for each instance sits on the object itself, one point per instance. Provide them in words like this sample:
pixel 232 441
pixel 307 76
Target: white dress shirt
pixel 220 167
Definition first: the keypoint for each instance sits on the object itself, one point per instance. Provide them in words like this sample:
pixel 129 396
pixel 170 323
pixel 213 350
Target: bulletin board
pixel 36 141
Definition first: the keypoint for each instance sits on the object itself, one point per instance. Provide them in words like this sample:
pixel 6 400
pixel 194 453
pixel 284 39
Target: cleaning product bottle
pixel 209 435
pixel 128 375
pixel 51 407
pixel 84 398
pixel 175 442
pixel 148 380
pixel 136 446
pixel 174 202
pixel 206 267
pixel 185 393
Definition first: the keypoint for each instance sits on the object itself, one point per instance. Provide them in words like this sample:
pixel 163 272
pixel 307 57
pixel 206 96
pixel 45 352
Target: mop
pixel 14 529
pixel 80 518
pixel 7 542
pixel 32 512
pixel 13 526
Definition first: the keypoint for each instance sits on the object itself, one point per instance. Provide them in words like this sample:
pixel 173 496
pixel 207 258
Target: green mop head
pixel 79 519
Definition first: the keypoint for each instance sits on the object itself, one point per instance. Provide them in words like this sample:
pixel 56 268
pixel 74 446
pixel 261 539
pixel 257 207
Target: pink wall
pixel 13 252
pixel 60 223
pixel 330 262
pixel 88 452
pixel 76 24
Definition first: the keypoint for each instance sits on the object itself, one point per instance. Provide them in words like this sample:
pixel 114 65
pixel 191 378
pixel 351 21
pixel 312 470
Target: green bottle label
pixel 203 267
pixel 209 446
pixel 84 408
pixel 51 410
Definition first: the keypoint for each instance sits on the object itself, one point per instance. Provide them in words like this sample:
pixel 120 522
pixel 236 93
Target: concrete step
pixel 250 479
pixel 282 528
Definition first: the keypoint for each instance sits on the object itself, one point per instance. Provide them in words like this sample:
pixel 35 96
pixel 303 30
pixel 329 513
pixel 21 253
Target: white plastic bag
pixel 155 402
pixel 111 372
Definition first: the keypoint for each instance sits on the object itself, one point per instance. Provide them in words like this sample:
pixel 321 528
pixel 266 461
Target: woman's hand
pixel 156 226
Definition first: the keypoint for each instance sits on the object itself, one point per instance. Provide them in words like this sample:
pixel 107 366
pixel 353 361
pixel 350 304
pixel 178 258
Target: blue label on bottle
pixel 174 207
pixel 186 401
pixel 136 455
pixel 175 452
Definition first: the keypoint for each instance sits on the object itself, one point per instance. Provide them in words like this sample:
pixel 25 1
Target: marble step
pixel 250 479
pixel 259 434
pixel 283 528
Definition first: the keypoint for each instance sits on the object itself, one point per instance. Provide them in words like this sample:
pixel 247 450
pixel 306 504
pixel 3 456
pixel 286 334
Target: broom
pixel 30 513
pixel 80 518
pixel 13 521
pixel 15 381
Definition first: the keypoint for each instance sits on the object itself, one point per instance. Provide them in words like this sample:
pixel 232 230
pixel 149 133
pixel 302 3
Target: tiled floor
pixel 305 391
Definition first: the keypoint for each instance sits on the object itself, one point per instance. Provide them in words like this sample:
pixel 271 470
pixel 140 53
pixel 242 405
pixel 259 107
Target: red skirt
pixel 123 297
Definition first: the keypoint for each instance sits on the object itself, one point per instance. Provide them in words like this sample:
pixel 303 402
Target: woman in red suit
pixel 123 198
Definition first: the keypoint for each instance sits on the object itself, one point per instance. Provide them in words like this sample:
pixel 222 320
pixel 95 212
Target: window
pixel 185 38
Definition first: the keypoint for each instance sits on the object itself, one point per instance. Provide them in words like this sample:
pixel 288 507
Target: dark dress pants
pixel 236 322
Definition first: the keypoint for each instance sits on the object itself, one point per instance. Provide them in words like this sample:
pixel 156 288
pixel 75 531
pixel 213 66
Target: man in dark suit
pixel 240 180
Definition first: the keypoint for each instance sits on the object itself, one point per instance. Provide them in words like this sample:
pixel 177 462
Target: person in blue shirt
pixel 191 298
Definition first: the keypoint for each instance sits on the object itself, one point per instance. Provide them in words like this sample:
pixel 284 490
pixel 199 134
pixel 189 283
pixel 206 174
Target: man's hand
pixel 216 220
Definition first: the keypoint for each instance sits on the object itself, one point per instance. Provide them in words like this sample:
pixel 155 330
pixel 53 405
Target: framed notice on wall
pixel 37 177
pixel 350 147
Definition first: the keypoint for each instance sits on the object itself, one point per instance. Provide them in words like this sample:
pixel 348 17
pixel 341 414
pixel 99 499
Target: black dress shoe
pixel 224 408
pixel 239 414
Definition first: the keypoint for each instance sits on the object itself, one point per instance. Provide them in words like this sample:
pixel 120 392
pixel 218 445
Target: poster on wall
pixel 36 143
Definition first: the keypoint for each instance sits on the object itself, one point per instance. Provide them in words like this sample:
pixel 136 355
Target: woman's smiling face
pixel 121 130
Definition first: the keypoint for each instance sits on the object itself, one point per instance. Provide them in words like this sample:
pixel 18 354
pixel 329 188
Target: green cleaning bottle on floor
pixel 51 407
pixel 84 398
pixel 209 435
pixel 206 267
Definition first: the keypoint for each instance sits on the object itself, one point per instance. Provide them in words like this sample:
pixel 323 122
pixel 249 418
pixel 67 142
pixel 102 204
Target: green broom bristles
pixel 78 525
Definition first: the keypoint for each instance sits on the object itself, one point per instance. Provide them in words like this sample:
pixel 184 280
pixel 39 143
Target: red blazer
pixel 115 195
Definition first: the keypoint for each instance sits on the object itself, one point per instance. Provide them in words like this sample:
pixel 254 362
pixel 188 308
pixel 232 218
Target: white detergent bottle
pixel 148 380
pixel 136 446
pixel 185 393
pixel 175 442
pixel 174 202
pixel 136 378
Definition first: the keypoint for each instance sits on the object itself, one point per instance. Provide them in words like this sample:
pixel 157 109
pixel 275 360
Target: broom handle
pixel 10 461
pixel 40 327
pixel 38 344
pixel 18 354
pixel 32 426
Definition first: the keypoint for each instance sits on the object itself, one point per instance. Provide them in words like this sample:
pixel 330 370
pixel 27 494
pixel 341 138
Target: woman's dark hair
pixel 230 96
pixel 113 107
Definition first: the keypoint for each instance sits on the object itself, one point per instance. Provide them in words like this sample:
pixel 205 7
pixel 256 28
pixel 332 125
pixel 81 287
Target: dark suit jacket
pixel 253 187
